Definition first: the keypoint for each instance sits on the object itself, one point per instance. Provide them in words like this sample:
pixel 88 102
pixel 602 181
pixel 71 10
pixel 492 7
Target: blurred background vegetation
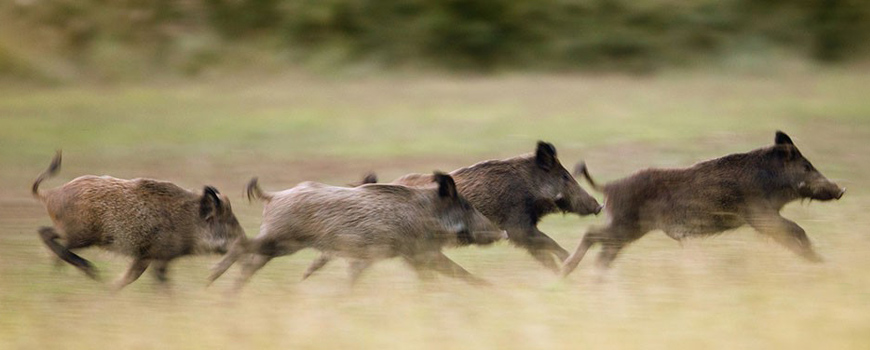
pixel 217 91
pixel 71 39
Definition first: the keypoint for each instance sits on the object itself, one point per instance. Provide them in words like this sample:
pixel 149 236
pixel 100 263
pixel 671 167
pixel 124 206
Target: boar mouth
pixel 564 205
pixel 825 193
pixel 826 196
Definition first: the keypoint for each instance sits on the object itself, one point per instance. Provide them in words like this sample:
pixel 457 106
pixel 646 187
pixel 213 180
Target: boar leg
pixel 544 257
pixel 786 233
pixel 356 268
pixel 544 242
pixel 612 238
pixel 422 264
pixel 608 253
pixel 447 267
pixel 238 249
pixel 59 263
pixel 159 268
pixel 49 237
pixel 424 272
pixel 262 251
pixel 255 263
pixel 619 237
pixel 317 264
pixel 554 247
pixel 539 245
pixel 594 235
pixel 136 269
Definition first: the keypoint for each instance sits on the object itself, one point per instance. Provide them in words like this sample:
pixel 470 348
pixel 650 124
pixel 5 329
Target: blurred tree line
pixel 190 35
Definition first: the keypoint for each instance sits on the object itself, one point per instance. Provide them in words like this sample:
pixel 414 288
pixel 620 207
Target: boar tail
pixel 581 169
pixel 52 170
pixel 254 191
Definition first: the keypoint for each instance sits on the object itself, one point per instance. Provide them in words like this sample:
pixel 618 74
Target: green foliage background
pixel 552 35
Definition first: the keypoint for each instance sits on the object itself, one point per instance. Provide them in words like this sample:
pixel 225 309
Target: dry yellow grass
pixel 736 290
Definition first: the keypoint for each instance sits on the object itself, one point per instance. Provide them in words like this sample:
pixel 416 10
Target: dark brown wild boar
pixel 365 224
pixel 708 198
pixel 515 193
pixel 151 221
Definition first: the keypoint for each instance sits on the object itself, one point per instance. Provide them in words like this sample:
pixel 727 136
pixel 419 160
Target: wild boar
pixel 151 221
pixel 708 198
pixel 365 224
pixel 515 193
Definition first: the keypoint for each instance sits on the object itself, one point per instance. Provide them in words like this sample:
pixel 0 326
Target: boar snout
pixel 594 205
pixel 484 231
pixel 489 237
pixel 489 234
pixel 583 203
pixel 821 190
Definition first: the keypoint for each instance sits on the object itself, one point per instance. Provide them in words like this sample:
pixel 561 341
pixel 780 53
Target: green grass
pixel 736 290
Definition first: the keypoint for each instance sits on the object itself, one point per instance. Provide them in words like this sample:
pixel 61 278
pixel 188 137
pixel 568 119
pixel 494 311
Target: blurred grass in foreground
pixel 731 291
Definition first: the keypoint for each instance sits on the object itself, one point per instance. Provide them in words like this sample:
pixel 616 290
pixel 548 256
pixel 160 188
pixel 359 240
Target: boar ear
pixel 370 178
pixel 545 155
pixel 210 204
pixel 782 139
pixel 786 152
pixel 446 186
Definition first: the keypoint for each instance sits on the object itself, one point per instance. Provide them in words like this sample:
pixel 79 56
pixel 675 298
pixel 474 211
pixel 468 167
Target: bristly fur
pixel 708 198
pixel 515 193
pixel 148 220
pixel 365 224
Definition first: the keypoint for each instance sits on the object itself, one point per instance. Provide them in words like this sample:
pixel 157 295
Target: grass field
pixel 736 290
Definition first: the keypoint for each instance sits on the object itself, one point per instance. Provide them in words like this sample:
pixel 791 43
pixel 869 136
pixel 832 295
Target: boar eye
pixel 465 205
pixel 807 167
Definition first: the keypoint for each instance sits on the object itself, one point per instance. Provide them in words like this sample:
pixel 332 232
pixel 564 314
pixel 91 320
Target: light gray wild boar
pixel 151 221
pixel 515 193
pixel 708 198
pixel 365 224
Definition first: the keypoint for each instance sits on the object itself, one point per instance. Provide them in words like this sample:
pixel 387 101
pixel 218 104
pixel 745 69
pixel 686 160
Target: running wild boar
pixel 365 224
pixel 708 198
pixel 515 193
pixel 151 221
